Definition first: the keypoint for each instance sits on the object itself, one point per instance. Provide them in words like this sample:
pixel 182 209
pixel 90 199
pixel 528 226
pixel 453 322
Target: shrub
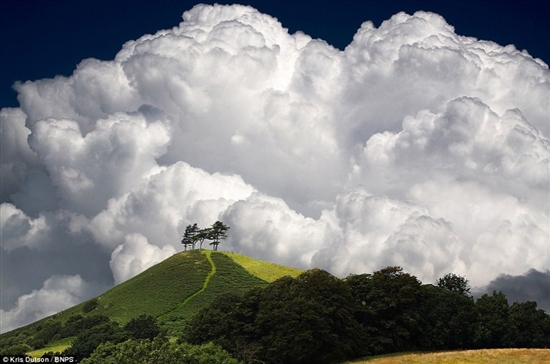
pixel 90 305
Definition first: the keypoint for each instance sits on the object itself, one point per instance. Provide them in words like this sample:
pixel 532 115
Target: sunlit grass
pixel 484 356
pixel 269 272
pixel 56 347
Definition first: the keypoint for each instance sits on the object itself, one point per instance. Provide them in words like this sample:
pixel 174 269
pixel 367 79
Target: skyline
pixel 409 144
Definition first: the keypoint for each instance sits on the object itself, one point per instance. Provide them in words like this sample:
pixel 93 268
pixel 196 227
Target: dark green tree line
pixel 318 318
pixel 308 319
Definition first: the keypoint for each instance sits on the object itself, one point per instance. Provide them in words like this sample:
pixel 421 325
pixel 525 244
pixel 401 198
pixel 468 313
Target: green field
pixel 484 356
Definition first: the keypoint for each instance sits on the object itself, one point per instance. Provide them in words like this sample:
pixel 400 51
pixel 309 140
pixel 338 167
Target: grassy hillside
pixel 227 277
pixel 172 291
pixel 485 356
pixel 157 290
pixel 264 270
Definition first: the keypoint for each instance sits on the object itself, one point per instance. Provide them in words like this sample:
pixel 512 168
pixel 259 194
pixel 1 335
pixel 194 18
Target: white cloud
pixel 58 292
pixel 414 146
pixel 163 205
pixel 267 228
pixel 82 168
pixel 18 229
pixel 135 256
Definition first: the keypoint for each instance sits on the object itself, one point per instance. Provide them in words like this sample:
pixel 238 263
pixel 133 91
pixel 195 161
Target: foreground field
pixel 485 356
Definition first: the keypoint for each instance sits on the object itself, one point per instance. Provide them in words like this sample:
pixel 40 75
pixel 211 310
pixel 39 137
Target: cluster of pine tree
pixel 319 318
pixel 193 235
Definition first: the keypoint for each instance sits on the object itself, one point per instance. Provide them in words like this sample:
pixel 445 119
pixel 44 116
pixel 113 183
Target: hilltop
pixel 171 291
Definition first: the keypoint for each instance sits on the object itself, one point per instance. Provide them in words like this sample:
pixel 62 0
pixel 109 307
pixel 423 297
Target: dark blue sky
pixel 41 39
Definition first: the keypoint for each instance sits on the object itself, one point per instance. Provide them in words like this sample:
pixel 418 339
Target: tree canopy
pixel 193 235
pixel 318 318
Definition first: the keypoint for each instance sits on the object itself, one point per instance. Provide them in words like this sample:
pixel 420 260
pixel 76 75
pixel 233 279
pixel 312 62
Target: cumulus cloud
pixel 414 146
pixel 57 293
pixel 136 255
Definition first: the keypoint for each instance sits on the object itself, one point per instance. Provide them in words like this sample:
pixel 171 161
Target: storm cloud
pixel 414 146
pixel 534 286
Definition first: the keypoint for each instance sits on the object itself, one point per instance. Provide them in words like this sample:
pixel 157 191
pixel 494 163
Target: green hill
pixel 171 291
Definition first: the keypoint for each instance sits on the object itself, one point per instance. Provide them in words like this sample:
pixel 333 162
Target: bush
pixel 158 350
pixel 90 305
pixel 37 344
pixel 46 334
pixel 19 349
pixel 88 340
pixel 142 327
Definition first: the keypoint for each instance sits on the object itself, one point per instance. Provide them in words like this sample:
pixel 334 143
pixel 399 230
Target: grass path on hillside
pixel 206 280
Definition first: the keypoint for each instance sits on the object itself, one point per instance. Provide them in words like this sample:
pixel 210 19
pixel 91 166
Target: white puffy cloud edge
pixel 414 146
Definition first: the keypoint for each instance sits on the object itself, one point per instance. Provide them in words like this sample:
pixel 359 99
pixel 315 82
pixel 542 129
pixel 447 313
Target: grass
pixel 267 271
pixel 159 289
pixel 56 347
pixel 227 277
pixel 206 280
pixel 483 356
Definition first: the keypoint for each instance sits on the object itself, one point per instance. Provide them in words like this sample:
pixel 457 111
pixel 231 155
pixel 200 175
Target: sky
pixel 343 135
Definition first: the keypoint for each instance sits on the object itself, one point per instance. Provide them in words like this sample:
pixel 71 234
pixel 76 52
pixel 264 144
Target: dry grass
pixel 485 356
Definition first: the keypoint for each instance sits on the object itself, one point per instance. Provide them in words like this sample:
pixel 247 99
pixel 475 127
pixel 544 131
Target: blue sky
pixel 42 39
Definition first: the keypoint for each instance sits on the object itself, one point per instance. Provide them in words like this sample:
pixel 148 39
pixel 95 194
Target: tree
pixel 308 319
pixel 492 325
pixel 18 349
pixel 387 304
pixel 159 350
pixel 217 233
pixel 189 237
pixel 142 327
pixel 90 305
pixel 49 330
pixel 529 327
pixel 201 235
pixel 88 340
pixel 449 319
pixel 454 283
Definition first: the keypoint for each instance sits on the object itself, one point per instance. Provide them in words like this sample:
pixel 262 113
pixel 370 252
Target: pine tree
pixel 217 233
pixel 189 237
